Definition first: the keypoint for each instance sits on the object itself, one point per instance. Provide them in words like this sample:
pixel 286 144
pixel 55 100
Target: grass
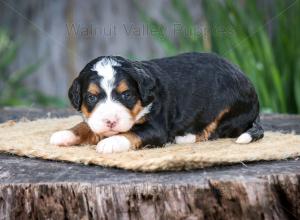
pixel 263 39
pixel 13 91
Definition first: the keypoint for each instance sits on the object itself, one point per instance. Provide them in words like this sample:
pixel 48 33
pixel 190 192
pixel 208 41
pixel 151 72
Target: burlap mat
pixel 31 139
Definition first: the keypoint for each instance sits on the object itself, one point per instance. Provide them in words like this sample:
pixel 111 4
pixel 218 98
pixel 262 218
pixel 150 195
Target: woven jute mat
pixel 31 139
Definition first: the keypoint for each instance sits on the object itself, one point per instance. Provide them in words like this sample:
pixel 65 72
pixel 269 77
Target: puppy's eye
pixel 127 95
pixel 91 99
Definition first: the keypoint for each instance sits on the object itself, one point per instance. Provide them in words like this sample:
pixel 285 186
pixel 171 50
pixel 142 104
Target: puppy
pixel 188 98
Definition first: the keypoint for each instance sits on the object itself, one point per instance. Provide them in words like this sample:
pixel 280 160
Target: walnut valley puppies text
pixel 134 30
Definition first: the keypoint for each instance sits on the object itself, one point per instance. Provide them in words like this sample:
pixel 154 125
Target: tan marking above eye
pixel 93 89
pixel 122 87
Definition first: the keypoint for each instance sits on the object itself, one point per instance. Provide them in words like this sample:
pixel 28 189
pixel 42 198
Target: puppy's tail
pixel 254 133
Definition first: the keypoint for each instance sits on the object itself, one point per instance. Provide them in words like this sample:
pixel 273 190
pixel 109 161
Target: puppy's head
pixel 113 94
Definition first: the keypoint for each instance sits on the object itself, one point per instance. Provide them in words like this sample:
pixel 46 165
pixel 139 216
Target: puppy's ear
pixel 145 82
pixel 75 94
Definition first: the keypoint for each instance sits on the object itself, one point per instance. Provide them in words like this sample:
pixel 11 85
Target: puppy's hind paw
pixel 244 138
pixel 64 138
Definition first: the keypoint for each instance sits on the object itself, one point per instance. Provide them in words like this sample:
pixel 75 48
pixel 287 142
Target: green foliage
pixel 263 41
pixel 12 89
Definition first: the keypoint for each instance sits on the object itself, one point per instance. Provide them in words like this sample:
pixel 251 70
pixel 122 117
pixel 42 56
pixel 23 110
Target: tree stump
pixel 38 189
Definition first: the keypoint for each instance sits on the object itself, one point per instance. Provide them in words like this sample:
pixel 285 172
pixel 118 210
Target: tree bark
pixel 38 189
pixel 271 197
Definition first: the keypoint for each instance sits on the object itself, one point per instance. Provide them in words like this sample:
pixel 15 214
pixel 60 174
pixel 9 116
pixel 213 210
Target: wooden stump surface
pixel 38 189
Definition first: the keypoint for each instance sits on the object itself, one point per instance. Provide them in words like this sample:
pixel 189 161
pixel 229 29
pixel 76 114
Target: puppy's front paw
pixel 113 144
pixel 64 138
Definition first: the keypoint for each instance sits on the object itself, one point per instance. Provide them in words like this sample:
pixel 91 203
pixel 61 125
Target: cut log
pixel 38 189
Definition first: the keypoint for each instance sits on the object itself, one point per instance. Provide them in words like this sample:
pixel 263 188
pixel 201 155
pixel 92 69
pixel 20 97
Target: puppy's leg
pixel 208 133
pixel 79 134
pixel 146 135
pixel 210 130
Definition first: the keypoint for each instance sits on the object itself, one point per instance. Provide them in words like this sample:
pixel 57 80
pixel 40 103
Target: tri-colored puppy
pixel 187 98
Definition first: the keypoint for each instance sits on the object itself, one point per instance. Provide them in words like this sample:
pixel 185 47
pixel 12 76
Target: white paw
pixel 117 143
pixel 244 138
pixel 187 139
pixel 64 138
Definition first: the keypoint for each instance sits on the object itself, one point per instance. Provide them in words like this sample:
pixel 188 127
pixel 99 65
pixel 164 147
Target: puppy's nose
pixel 110 123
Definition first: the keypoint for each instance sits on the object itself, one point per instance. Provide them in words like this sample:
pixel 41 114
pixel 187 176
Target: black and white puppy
pixel 187 98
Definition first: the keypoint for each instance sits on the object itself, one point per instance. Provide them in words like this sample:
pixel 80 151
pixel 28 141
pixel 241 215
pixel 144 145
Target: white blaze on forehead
pixel 108 109
pixel 105 68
